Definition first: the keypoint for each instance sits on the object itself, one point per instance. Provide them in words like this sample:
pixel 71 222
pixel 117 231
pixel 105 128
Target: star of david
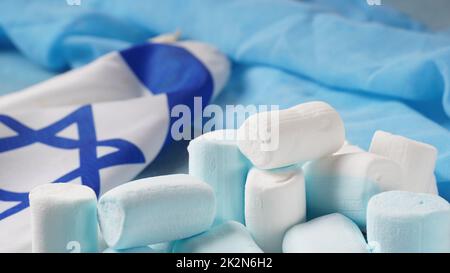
pixel 86 144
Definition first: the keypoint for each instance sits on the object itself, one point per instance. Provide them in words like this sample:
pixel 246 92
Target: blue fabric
pixel 17 72
pixel 360 10
pixel 380 69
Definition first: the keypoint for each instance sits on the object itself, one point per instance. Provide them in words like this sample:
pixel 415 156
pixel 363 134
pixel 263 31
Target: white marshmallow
pixel 274 202
pixel 433 188
pixel 344 183
pixel 281 138
pixel 333 233
pixel 63 218
pixel 348 148
pixel 416 158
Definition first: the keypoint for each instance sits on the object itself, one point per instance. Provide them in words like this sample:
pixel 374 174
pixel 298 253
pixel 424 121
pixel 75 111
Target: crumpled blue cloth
pixel 379 68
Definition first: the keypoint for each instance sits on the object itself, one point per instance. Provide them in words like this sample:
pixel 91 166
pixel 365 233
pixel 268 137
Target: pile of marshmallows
pixel 314 193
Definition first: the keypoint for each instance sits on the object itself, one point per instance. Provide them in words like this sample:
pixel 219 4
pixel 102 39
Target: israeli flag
pixel 99 125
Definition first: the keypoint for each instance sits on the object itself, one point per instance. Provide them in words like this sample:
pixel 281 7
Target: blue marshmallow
pixel 155 210
pixel 230 237
pixel 156 248
pixel 165 247
pixel 63 218
pixel 333 233
pixel 215 158
pixel 344 183
pixel 142 249
pixel 399 221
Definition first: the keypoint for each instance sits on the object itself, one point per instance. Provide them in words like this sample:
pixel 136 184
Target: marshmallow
pixel 333 233
pixel 142 249
pixel 416 158
pixel 400 221
pixel 102 246
pixel 280 138
pixel 63 218
pixel 274 202
pixel 165 247
pixel 155 210
pixel 433 188
pixel 156 248
pixel 215 158
pixel 348 148
pixel 344 183
pixel 230 237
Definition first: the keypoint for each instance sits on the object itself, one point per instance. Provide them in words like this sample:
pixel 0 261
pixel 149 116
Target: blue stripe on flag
pixel 173 70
